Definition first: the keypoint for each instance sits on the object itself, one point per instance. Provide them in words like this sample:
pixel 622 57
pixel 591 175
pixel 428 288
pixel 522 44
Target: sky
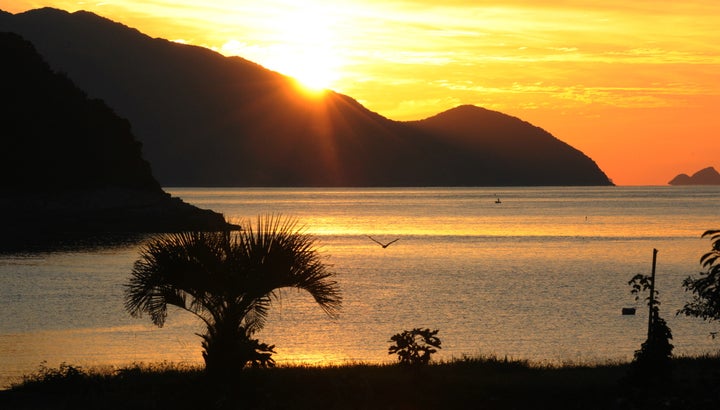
pixel 635 85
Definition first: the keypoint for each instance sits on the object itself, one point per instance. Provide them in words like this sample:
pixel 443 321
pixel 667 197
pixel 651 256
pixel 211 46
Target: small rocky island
pixel 70 164
pixel 706 176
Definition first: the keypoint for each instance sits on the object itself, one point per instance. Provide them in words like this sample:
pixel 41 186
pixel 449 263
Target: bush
pixel 654 356
pixel 415 346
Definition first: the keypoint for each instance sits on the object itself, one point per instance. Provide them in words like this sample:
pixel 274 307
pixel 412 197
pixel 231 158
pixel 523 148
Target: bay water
pixel 524 273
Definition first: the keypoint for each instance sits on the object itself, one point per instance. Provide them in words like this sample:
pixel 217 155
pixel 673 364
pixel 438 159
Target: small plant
pixel 415 346
pixel 656 352
pixel 654 356
pixel 245 348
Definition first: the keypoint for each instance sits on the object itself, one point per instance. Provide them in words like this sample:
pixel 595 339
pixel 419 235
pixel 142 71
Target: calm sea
pixel 542 275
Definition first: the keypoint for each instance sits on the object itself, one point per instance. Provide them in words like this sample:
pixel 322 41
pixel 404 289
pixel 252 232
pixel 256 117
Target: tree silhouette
pixel 229 280
pixel 415 346
pixel 706 288
pixel 653 360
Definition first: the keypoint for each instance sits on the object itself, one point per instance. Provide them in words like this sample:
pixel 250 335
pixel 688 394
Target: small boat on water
pixel 498 201
pixel 628 311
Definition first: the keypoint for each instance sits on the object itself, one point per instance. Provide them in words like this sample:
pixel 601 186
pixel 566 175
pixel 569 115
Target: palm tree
pixel 229 280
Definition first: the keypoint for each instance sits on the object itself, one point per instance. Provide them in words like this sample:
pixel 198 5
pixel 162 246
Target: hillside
pixel 510 149
pixel 69 163
pixel 209 120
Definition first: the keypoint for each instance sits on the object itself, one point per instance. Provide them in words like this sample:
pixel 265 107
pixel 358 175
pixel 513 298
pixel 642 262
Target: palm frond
pixel 172 270
pixel 285 256
pixel 257 312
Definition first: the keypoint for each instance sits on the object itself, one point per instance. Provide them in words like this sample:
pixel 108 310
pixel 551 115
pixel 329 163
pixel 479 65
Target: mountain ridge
pixel 225 121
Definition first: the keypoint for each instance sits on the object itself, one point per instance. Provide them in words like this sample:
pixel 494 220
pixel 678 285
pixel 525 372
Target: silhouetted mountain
pixel 70 163
pixel 509 149
pixel 706 176
pixel 210 120
pixel 55 138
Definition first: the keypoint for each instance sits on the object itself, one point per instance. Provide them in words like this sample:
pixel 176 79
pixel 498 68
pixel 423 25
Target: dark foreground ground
pixel 461 384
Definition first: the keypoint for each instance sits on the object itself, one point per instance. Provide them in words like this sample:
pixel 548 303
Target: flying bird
pixel 384 245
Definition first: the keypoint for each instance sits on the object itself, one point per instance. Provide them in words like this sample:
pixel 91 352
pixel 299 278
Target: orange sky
pixel 633 84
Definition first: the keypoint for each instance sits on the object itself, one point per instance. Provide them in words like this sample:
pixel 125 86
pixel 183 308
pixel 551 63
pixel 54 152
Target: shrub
pixel 415 346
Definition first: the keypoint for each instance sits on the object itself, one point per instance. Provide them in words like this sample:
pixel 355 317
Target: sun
pixel 314 71
pixel 303 40
pixel 315 77
pixel 307 46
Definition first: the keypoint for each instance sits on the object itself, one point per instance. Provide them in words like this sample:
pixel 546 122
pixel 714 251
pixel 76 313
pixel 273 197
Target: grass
pixel 483 383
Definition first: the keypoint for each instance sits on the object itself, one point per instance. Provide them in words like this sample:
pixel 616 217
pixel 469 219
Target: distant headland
pixel 706 176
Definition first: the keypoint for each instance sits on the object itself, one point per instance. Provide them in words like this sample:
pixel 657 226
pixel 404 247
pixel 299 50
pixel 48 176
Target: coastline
pixel 111 210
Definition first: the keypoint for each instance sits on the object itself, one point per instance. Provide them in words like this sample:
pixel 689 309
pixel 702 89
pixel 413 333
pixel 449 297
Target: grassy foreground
pixel 483 383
